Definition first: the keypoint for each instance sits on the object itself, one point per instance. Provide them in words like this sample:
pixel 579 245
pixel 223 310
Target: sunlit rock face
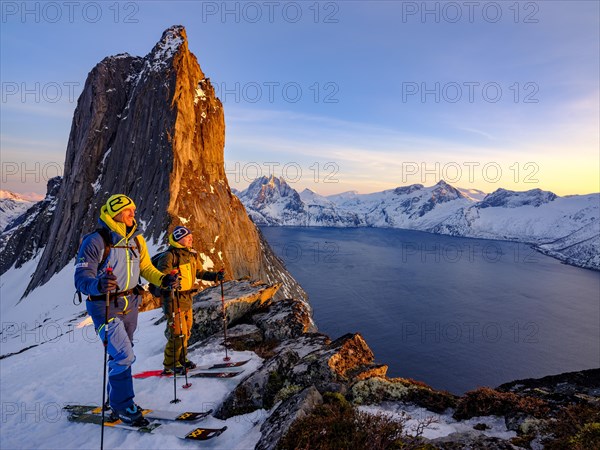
pixel 152 128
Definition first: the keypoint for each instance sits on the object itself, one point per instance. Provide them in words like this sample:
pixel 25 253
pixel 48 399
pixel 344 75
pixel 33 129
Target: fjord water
pixel 456 313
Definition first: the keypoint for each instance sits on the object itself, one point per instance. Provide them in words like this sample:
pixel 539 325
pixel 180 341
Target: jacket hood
pixel 118 227
pixel 174 243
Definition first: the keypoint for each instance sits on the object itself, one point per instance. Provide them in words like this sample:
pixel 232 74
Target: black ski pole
pixel 173 337
pixel 227 358
pixel 183 349
pixel 105 341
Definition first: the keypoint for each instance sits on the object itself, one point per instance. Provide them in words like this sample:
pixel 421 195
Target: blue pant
pixel 121 326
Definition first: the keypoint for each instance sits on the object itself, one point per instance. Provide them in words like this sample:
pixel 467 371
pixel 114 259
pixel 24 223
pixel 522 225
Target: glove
pixel 170 281
pixel 214 276
pixel 107 282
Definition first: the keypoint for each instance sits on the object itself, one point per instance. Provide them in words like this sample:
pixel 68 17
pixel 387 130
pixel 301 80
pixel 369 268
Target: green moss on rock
pixel 376 390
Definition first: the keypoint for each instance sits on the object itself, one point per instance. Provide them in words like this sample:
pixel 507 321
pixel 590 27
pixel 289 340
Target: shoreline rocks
pixel 302 365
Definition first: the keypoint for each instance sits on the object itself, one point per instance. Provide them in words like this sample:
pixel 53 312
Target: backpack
pixel 155 290
pixel 105 235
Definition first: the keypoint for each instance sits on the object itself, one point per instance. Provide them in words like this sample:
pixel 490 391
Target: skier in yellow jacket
pixel 182 257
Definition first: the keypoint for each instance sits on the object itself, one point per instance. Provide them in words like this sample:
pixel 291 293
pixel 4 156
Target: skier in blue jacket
pixel 127 258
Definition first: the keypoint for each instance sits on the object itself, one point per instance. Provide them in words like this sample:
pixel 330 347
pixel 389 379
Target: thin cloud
pixel 478 132
pixel 60 110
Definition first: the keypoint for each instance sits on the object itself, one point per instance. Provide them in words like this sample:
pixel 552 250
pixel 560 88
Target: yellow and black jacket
pixel 187 261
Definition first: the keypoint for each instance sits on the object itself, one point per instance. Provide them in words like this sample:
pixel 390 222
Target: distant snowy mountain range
pixel 12 206
pixel 567 228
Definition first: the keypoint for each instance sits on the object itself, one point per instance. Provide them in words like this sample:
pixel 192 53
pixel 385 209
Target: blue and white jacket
pixel 127 259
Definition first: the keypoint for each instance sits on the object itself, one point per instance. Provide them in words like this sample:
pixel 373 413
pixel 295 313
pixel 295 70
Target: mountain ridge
pixel 563 227
pixel 12 205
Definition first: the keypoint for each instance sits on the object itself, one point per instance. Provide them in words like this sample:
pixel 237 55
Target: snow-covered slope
pixel 564 227
pixel 12 206
pixel 413 206
pixel 581 247
pixel 51 356
pixel 271 201
pixel 475 194
pixel 321 211
pixel 532 216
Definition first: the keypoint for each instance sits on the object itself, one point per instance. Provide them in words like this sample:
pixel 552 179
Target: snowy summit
pixel 567 228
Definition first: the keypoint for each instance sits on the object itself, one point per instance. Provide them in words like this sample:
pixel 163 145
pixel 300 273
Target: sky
pixel 335 95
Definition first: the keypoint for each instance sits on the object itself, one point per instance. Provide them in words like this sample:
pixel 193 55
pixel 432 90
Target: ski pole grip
pixel 109 270
pixel 173 272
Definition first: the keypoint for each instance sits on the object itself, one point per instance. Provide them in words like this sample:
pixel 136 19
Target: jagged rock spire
pixel 152 128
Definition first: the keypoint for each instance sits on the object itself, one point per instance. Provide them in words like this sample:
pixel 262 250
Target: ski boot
pixel 130 416
pixel 179 370
pixel 189 364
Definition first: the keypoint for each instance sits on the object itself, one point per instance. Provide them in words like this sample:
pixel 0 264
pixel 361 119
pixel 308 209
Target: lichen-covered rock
pixel 311 359
pixel 376 390
pixel 514 420
pixel 241 298
pixel 566 388
pixel 529 426
pixel 286 319
pixel 471 441
pixel 272 382
pixel 349 352
pixel 305 344
pixel 259 389
pixel 369 371
pixel 244 337
pixel 294 408
pixel 328 367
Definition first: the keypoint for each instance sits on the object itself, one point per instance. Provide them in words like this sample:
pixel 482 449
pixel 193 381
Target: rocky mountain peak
pixel 510 199
pixel 268 189
pixel 446 192
pixel 310 196
pixel 167 47
pixel 171 39
pixel 10 195
pixel 404 190
pixel 11 206
pixel 273 182
pixel 153 129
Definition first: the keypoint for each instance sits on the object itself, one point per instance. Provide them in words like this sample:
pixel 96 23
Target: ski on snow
pixel 198 372
pixel 178 416
pixel 159 374
pixel 93 414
